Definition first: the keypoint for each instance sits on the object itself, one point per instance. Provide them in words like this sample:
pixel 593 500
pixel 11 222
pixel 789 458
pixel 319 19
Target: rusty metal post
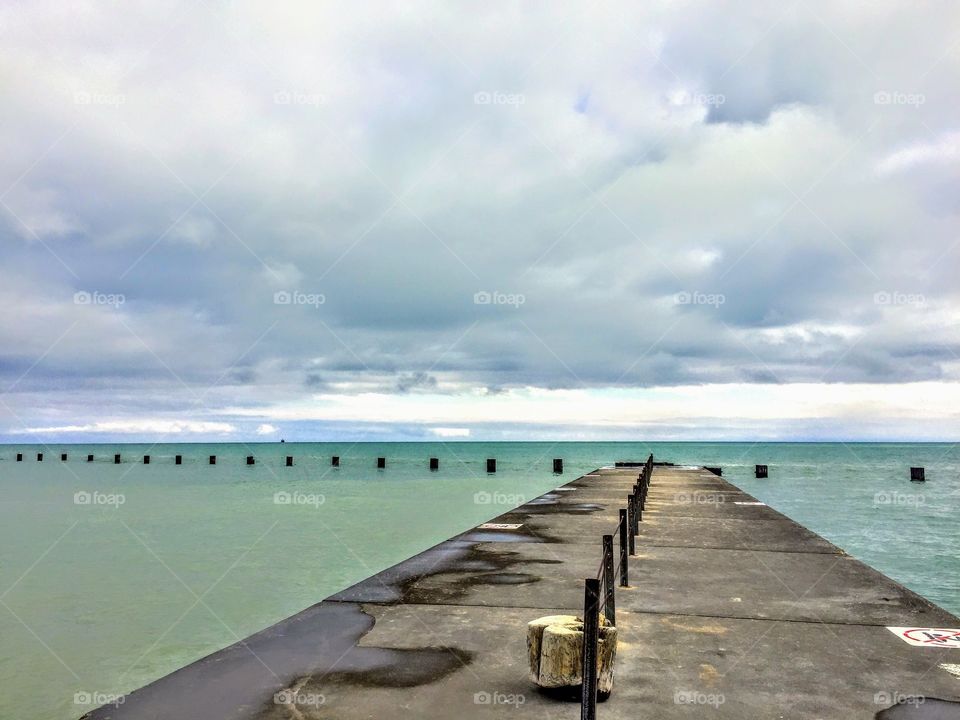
pixel 591 642
pixel 624 531
pixel 609 598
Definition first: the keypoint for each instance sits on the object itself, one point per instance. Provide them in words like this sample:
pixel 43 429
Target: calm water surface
pixel 114 575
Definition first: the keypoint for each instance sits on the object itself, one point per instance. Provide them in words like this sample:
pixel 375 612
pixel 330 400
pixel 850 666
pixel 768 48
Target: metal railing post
pixel 624 531
pixel 609 599
pixel 591 641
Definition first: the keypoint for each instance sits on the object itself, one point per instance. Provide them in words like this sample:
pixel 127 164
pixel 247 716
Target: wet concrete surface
pixel 733 611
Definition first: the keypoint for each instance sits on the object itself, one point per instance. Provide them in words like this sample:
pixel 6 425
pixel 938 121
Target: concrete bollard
pixel 555 652
pixel 213 459
pixel 39 457
pixel 89 458
pixel 178 460
pixel 761 471
pixel 116 459
pixel 917 474
pixel 289 460
pixel 250 460
pixel 434 463
pixel 335 461
pixel 146 459
pixel 491 465
pixel 381 463
pixel 63 457
pixel 558 466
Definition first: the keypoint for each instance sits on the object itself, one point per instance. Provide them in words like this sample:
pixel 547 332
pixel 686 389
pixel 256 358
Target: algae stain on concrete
pixel 700 629
pixel 709 675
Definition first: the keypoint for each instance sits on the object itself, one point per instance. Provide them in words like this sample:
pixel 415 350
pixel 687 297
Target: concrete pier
pixel 732 611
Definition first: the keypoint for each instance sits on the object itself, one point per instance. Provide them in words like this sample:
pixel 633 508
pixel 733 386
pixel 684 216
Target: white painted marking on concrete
pixel 951 668
pixel 743 502
pixel 928 637
pixel 501 526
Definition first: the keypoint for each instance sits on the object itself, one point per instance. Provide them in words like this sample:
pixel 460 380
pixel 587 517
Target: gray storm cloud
pixel 233 206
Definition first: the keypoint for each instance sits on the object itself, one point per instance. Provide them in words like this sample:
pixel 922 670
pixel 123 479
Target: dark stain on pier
pixel 921 709
pixel 454 568
pixel 394 668
pixel 500 536
pixel 559 508
pixel 480 566
pixel 504 579
pixel 315 648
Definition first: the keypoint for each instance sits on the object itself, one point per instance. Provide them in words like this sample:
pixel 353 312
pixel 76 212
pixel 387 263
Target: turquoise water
pixel 113 575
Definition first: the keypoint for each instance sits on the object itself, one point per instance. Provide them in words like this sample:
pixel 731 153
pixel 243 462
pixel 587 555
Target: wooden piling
pixel 335 461
pixel 381 463
pixel 917 474
pixel 491 465
pixel 89 458
pixel 250 460
pixel 213 459
pixel 63 457
pixel 760 471
pixel 19 457
pixel 558 466
pixel 116 459
pixel 146 459
pixel 434 463
pixel 289 460
pixel 178 460
pixel 39 457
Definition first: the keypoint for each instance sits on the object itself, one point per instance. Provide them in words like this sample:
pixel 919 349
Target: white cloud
pixel 267 429
pixel 450 432
pixel 134 427
pixel 945 150
pixel 357 166
pixel 638 407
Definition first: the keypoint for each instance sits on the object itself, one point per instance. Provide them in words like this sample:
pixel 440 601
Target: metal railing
pixel 599 593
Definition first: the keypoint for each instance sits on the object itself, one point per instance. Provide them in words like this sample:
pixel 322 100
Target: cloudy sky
pixel 508 220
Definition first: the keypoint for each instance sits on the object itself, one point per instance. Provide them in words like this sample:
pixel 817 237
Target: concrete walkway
pixel 734 611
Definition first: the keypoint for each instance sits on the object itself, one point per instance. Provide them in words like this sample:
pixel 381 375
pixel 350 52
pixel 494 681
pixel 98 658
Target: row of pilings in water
pixel 433 464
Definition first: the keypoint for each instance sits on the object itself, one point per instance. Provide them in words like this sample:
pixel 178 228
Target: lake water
pixel 114 575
